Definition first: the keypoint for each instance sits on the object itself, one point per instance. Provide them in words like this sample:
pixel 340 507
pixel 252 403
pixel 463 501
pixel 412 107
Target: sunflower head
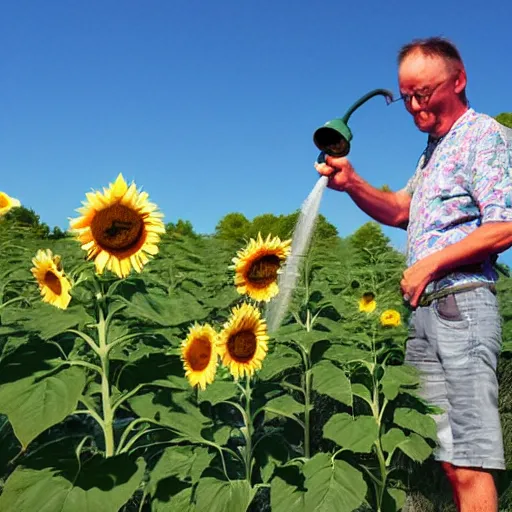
pixel 367 303
pixel 242 344
pixel 53 283
pixel 390 318
pixel 199 355
pixel 7 203
pixel 257 266
pixel 119 228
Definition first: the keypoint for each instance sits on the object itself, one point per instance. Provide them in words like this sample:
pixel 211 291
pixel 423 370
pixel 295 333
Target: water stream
pixel 301 238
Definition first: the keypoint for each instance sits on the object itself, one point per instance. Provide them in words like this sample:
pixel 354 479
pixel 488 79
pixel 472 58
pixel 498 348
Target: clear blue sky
pixel 210 106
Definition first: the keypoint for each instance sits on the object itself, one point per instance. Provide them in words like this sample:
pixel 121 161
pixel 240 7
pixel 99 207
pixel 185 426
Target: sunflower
pixel 199 355
pixel 7 203
pixel 390 318
pixel 367 303
pixel 119 228
pixel 256 267
pixel 242 344
pixel 53 283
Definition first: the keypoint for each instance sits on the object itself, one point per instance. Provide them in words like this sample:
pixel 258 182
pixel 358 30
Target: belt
pixel 427 298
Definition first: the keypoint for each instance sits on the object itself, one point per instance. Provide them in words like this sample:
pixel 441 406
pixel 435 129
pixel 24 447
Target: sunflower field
pixel 137 372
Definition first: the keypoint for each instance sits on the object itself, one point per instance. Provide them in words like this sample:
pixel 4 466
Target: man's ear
pixel 461 81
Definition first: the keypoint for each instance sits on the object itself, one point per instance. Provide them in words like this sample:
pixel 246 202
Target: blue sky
pixel 210 106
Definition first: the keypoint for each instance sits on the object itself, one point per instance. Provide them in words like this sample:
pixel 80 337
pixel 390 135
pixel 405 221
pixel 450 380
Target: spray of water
pixel 301 239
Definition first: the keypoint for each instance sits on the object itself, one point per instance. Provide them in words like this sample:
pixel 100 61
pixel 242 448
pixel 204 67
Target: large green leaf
pixel 411 419
pixel 416 448
pixel 94 485
pixel 182 501
pixel 219 391
pixel 36 319
pixel 220 496
pixel 285 497
pixel 345 354
pixel 36 403
pixel 399 378
pixel 356 434
pixel 174 410
pixel 283 358
pixel 332 485
pixel 413 445
pixel 283 405
pixel 330 380
pixel 184 462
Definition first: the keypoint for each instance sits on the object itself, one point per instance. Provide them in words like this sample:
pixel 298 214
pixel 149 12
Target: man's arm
pixel 390 208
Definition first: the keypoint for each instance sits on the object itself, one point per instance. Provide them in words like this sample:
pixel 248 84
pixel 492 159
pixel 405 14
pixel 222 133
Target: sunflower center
pixel 117 228
pixel 199 354
pixel 53 282
pixel 3 201
pixel 264 270
pixel 242 346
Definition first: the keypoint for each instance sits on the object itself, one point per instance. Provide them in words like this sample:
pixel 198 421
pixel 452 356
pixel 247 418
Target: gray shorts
pixel 455 342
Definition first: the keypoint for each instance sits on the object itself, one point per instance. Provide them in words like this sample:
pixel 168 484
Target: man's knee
pixel 466 478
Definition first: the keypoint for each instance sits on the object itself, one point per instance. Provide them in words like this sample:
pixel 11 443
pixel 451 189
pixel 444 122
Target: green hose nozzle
pixel 334 137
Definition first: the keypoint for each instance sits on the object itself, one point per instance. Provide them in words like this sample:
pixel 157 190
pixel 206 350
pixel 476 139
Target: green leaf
pixel 356 434
pixel 399 378
pixel 391 439
pixel 179 502
pixel 283 358
pixel 36 319
pixel 186 463
pixel 394 499
pixel 283 405
pixel 34 404
pixel 337 486
pixel 219 496
pixel 363 392
pixel 286 497
pixel 346 355
pixel 94 485
pixel 411 419
pixel 416 448
pixel 330 380
pixel 219 391
pixel 172 409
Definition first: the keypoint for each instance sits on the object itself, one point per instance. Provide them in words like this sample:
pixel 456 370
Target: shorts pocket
pixel 447 309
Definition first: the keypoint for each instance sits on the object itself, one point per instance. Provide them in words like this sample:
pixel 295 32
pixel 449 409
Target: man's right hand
pixel 339 171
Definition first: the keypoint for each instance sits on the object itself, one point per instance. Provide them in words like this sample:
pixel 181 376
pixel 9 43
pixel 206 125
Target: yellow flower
pixel 390 317
pixel 367 303
pixel 53 283
pixel 7 203
pixel 256 267
pixel 199 355
pixel 119 229
pixel 242 344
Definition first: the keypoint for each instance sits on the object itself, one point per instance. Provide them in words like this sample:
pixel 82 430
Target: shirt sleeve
pixel 492 180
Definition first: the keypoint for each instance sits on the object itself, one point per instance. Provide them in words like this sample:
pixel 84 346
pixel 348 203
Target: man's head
pixel 432 81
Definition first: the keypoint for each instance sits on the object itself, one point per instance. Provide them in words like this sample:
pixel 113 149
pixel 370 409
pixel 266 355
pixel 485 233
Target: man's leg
pixel 466 334
pixel 474 490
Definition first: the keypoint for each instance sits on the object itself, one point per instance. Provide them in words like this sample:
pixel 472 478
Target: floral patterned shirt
pixel 461 181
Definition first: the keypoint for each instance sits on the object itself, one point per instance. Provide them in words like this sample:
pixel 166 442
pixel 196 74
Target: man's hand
pixel 339 170
pixel 416 278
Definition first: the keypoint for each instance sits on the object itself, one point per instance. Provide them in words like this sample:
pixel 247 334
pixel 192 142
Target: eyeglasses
pixel 422 99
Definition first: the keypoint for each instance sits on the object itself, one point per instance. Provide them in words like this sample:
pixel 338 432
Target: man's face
pixel 430 90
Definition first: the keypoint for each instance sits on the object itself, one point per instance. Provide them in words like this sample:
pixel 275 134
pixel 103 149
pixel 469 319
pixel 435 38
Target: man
pixel 457 209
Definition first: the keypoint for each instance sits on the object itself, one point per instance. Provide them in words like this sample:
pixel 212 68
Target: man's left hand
pixel 416 278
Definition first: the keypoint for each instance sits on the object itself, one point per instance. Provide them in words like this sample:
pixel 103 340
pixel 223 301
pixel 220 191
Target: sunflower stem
pixel 248 428
pixel 108 414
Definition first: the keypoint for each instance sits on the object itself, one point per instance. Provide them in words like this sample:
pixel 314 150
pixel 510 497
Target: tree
pixel 369 241
pixel 27 218
pixel 505 118
pixel 233 227
pixel 180 229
